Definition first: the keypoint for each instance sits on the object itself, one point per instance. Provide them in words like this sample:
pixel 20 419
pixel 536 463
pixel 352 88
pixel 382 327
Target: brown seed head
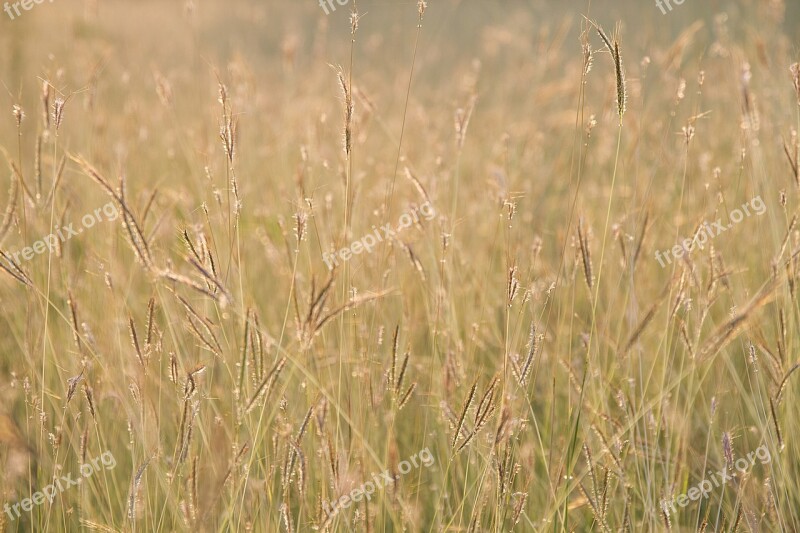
pixel 58 112
pixel 19 114
pixel 727 449
pixel 46 104
pixel 354 22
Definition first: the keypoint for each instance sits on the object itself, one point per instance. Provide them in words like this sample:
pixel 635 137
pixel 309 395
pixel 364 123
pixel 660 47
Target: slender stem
pixel 572 447
pixel 49 269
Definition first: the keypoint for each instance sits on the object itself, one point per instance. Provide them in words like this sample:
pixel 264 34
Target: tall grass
pixel 526 335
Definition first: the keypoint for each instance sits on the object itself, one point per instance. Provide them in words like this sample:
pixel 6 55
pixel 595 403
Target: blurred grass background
pixel 142 80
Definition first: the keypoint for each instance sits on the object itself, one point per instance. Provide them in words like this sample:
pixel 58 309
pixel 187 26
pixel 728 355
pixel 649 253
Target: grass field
pixel 456 266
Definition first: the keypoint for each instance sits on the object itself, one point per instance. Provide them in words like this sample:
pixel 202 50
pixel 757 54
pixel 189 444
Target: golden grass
pixel 562 379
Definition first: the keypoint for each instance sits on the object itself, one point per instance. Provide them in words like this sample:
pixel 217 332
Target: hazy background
pixel 710 105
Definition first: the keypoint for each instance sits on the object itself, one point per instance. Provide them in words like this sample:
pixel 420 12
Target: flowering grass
pixel 558 378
